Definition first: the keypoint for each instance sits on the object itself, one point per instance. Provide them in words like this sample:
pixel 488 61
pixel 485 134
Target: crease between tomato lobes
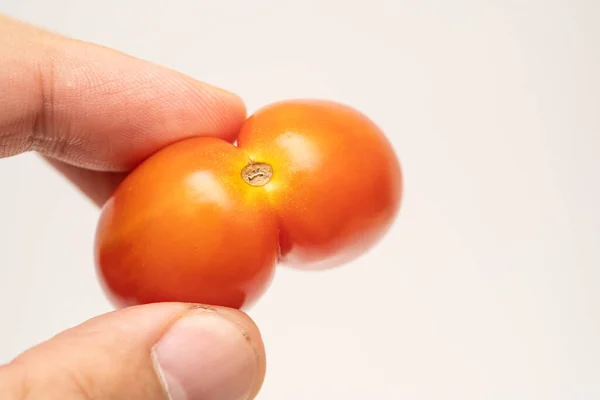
pixel 204 221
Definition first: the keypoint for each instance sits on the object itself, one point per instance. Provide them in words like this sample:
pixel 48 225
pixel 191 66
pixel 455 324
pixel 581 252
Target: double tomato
pixel 312 184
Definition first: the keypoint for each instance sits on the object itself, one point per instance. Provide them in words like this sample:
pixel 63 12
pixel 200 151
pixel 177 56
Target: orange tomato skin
pixel 337 182
pixel 184 226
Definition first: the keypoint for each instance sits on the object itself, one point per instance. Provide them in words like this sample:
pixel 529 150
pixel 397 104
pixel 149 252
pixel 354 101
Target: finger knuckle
pixel 50 122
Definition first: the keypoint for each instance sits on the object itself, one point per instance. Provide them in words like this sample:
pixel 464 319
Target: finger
pixel 96 108
pixel 158 351
pixel 97 185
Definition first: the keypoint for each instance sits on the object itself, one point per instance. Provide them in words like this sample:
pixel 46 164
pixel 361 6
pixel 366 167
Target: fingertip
pixel 252 334
pixel 210 353
pixel 228 110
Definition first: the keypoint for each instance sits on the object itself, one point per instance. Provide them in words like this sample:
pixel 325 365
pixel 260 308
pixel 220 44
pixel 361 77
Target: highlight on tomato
pixel 310 183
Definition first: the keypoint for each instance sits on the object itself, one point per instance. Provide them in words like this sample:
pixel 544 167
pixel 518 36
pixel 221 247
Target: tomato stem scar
pixel 257 173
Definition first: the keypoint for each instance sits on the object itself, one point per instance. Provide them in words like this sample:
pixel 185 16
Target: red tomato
pixel 313 184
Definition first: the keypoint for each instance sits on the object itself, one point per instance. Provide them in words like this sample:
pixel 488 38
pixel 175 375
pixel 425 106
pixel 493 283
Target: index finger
pixel 96 108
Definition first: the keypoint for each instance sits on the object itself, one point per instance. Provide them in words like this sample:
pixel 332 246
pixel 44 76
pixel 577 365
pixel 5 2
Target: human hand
pixel 94 114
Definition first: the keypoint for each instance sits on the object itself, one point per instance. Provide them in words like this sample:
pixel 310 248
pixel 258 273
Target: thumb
pixel 156 351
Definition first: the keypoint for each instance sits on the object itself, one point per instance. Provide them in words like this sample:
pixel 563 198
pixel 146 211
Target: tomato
pixel 310 183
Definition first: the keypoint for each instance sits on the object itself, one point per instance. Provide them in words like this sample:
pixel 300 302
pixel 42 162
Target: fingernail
pixel 206 356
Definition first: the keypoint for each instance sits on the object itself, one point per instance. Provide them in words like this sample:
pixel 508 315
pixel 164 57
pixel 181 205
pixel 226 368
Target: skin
pixel 95 114
pixel 311 183
pixel 177 228
pixel 337 183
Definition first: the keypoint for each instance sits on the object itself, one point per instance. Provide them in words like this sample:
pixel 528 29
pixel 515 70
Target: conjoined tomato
pixel 311 183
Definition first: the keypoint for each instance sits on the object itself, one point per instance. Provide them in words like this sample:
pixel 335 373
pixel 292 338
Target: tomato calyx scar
pixel 257 173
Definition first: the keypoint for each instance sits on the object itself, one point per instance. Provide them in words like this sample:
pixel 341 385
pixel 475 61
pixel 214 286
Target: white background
pixel 488 287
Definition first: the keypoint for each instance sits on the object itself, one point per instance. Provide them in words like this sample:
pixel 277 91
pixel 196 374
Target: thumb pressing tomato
pixel 312 184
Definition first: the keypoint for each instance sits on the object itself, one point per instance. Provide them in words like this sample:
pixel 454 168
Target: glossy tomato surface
pixel 336 185
pixel 313 184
